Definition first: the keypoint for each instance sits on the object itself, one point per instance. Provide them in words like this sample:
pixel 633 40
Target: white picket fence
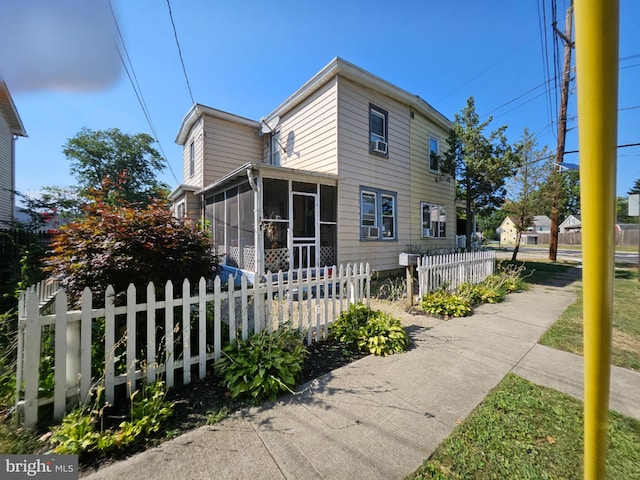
pixel 151 338
pixel 449 271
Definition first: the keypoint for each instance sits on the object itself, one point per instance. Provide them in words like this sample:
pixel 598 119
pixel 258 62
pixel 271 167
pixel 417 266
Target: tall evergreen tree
pixel 480 164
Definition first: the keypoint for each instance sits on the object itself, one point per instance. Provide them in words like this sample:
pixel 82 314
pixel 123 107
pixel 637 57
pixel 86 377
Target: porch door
pixel 304 238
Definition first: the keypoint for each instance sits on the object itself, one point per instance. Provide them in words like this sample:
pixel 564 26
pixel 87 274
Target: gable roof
pixel 10 113
pixel 337 67
pixel 341 67
pixel 197 110
pixel 541 221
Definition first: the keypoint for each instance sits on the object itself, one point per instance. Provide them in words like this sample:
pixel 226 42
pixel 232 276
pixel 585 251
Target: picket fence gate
pixel 449 271
pixel 155 341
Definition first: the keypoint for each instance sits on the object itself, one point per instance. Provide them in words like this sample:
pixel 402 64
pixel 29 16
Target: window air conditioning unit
pixel 371 232
pixel 380 146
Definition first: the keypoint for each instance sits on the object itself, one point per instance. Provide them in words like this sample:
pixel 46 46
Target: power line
pixel 626 145
pixel 184 70
pixel 137 90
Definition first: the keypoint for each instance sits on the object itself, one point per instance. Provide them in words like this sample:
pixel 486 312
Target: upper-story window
pixel 275 149
pixel 434 151
pixel 192 159
pixel 378 130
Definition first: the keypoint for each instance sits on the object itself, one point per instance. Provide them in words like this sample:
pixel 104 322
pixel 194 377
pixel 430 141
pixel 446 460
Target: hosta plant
pixel 370 331
pixel 263 366
pixel 445 304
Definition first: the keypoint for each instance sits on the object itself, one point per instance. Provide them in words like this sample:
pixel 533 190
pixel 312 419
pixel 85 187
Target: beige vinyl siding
pixel 195 137
pixel 228 145
pixel 357 167
pixel 308 133
pixel 6 173
pixel 223 146
pixel 426 186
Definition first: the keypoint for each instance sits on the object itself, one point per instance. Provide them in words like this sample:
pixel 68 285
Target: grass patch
pixel 567 333
pixel 522 430
pixel 540 272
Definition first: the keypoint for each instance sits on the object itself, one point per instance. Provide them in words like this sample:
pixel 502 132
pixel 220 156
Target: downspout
pixel 257 221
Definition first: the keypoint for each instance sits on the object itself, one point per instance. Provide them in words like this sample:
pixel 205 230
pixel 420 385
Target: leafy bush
pixel 446 304
pixel 122 244
pixel 370 331
pixel 82 430
pixel 263 366
pixel 481 293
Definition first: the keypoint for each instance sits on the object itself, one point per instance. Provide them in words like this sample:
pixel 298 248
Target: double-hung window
pixel 434 220
pixel 378 214
pixel 275 148
pixel 378 130
pixel 434 151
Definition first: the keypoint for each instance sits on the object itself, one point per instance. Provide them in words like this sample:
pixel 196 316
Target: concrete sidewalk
pixel 380 418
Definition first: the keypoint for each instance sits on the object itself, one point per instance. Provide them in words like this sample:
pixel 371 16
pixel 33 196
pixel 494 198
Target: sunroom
pixel 266 218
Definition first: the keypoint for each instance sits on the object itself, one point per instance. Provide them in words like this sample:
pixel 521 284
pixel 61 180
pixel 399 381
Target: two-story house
pixel 10 128
pixel 344 170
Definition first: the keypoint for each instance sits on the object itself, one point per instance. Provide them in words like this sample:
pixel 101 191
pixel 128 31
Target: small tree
pixel 532 171
pixel 480 164
pixel 122 244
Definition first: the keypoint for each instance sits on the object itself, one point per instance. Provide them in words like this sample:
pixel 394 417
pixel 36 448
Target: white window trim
pixel 378 196
pixel 432 234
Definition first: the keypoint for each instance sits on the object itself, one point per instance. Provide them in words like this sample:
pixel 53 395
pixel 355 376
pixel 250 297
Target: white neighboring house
pixel 10 129
pixel 571 224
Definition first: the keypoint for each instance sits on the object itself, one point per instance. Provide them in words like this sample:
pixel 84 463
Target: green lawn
pixel 566 333
pixel 522 430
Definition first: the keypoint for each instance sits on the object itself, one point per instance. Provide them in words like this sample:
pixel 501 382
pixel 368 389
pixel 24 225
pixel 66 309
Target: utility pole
pixel 562 130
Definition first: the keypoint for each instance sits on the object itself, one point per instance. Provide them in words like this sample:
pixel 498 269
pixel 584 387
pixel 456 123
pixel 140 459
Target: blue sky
pixel 246 57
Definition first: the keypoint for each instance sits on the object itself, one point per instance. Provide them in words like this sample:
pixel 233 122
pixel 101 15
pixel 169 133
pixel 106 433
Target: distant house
pixel 344 170
pixel 10 128
pixel 509 229
pixel 570 224
pixel 541 224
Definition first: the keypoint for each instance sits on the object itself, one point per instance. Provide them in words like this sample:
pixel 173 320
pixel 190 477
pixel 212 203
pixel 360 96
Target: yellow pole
pixel 597 82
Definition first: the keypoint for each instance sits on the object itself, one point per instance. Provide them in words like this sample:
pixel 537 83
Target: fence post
pixel 152 361
pixel 85 345
pixel 168 334
pixel 32 345
pixel 202 328
pixel 131 339
pixel 186 331
pixel 62 377
pixel 109 344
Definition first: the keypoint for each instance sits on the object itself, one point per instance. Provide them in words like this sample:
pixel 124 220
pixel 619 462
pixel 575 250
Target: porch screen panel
pixel 218 224
pixel 275 199
pixel 246 227
pixel 209 217
pixel 233 245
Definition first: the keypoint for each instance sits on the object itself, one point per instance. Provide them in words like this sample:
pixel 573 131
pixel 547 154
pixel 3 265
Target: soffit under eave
pixel 10 112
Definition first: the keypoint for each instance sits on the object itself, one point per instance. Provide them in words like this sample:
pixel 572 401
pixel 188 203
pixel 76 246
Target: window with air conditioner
pixel 434 220
pixel 378 214
pixel 378 130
